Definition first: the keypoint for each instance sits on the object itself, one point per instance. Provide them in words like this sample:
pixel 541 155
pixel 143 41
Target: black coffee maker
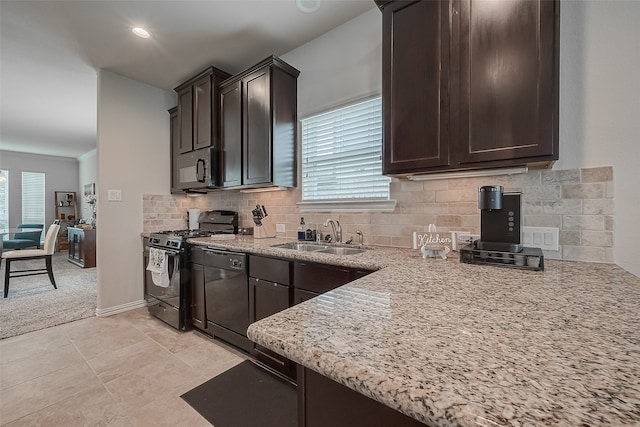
pixel 499 220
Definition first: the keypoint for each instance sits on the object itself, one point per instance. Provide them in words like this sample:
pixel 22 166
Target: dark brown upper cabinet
pixel 231 134
pixel 198 101
pixel 174 135
pixel 469 84
pixel 258 126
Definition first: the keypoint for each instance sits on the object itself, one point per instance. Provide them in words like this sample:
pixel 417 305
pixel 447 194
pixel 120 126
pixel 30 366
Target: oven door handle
pixel 176 266
pixel 169 251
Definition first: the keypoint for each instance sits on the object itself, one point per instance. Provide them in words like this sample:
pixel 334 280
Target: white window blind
pixel 4 201
pixel 342 154
pixel 33 200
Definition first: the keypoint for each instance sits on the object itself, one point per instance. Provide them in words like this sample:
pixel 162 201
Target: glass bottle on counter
pixel 301 230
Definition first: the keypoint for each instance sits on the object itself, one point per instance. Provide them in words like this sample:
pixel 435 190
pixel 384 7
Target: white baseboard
pixel 104 312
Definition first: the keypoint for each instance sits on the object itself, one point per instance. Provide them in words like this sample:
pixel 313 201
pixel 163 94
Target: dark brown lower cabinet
pixel 269 293
pixel 267 298
pixel 300 295
pixel 323 402
pixel 315 278
pixel 276 284
pixel 82 247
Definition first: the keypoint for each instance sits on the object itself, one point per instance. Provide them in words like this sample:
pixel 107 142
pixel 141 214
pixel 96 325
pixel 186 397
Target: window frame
pixel 353 204
pixel 43 207
pixel 4 202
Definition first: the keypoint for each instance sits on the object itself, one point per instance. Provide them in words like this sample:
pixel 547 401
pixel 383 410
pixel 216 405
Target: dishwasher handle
pixel 224 259
pixel 214 252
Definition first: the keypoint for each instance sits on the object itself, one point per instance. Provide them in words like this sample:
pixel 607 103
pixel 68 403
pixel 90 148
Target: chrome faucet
pixel 337 230
pixel 360 238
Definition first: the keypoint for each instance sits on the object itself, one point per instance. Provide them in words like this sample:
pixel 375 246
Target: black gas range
pixel 168 294
pixel 176 239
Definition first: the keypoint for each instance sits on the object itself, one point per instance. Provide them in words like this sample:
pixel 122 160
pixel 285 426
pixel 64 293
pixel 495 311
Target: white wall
pixel 61 174
pixel 133 157
pixel 339 66
pixel 88 174
pixel 600 106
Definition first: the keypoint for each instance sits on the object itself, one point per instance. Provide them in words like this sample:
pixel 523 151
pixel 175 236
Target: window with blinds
pixel 4 201
pixel 342 154
pixel 33 199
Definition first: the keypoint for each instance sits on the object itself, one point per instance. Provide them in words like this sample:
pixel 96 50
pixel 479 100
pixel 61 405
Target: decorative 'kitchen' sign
pixel 433 243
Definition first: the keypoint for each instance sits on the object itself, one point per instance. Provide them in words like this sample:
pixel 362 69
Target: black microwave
pixel 197 170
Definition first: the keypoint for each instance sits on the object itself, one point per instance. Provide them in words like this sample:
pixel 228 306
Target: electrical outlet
pixel 114 195
pixel 546 238
pixel 280 228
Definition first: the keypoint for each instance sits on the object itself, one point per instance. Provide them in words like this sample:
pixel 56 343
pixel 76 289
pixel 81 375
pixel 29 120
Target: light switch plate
pixel 280 228
pixel 546 238
pixel 114 195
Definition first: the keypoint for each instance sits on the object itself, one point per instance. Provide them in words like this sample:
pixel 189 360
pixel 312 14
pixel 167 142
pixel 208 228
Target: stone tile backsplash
pixel 577 201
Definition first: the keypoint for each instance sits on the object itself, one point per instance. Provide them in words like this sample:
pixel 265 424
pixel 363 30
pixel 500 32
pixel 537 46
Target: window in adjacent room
pixel 33 198
pixel 342 159
pixel 4 200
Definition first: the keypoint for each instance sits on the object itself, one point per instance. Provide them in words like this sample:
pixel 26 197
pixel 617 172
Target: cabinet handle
pixel 204 170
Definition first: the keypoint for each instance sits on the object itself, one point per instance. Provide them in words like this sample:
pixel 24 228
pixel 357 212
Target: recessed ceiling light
pixel 308 6
pixel 141 32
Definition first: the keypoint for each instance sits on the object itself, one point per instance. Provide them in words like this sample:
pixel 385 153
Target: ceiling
pixel 50 52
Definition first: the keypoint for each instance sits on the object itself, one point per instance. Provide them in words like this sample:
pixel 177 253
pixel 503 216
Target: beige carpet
pixel 34 304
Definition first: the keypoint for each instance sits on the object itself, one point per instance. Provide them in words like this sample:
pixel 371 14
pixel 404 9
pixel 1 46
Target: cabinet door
pixel 174 135
pixel 79 240
pixel 198 308
pixel 256 127
pixel 508 80
pixel 74 245
pixel 185 115
pixel 202 90
pixel 231 134
pixel 267 298
pixel 319 278
pixel 415 86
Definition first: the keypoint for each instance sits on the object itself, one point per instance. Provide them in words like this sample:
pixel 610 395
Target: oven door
pixel 171 294
pixel 197 169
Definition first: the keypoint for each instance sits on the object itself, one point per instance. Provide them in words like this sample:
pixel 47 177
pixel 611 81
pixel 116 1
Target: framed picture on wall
pixel 90 189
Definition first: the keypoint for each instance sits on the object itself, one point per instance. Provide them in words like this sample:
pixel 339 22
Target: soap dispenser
pixel 302 235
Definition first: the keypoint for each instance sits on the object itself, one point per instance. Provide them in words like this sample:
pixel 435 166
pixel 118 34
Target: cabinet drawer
pixel 273 270
pixel 319 278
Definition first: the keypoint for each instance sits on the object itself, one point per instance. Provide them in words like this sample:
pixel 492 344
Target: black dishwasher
pixel 220 303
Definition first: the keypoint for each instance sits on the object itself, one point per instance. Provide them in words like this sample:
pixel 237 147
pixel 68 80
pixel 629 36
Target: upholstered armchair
pixel 25 239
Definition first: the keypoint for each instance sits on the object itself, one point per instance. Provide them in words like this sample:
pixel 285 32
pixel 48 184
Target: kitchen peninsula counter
pixel 460 344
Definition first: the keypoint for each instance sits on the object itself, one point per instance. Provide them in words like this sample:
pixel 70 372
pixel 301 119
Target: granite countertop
pixel 458 344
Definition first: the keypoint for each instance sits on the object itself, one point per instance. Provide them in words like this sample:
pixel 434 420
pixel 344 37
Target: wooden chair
pixel 28 254
pixel 26 239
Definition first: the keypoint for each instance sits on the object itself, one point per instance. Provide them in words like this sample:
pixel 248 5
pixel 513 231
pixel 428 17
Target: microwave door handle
pixel 204 170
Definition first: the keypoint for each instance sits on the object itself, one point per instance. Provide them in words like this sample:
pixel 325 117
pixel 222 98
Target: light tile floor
pixel 125 370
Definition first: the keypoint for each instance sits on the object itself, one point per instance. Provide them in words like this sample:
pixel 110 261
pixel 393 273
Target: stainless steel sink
pixel 299 246
pixel 341 251
pixel 321 249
